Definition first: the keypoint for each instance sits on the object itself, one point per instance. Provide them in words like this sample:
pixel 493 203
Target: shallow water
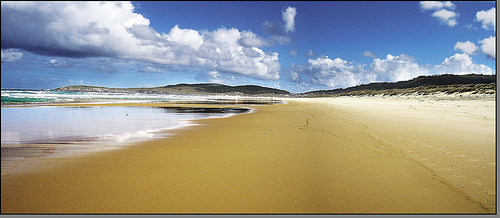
pixel 69 125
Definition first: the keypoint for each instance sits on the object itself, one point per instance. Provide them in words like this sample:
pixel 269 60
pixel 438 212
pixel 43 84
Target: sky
pixel 298 46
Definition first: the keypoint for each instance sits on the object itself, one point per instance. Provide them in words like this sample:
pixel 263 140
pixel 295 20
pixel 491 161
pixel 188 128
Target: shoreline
pixel 308 156
pixel 14 154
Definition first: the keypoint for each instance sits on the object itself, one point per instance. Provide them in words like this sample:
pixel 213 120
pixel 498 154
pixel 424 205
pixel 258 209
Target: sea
pixel 9 96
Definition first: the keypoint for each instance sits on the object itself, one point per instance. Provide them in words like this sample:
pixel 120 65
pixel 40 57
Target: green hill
pixel 446 83
pixel 201 88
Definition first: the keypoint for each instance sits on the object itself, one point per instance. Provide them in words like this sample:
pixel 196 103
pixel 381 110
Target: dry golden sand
pixel 327 155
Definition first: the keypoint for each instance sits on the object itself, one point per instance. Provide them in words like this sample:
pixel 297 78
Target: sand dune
pixel 324 155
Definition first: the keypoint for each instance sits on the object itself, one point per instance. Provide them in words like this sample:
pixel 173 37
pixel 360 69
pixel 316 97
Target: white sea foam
pixel 56 96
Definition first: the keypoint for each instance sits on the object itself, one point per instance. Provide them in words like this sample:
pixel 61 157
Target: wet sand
pixel 325 155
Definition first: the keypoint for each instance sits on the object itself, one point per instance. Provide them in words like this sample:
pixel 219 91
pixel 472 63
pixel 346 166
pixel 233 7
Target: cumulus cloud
pixel 71 29
pixel 466 47
pixel 250 39
pixel 461 64
pixel 488 46
pixel 435 5
pixel 334 73
pixel 396 68
pixel 289 18
pixel 187 37
pixel 446 17
pixel 144 32
pixel 112 29
pixel 486 18
pixel 369 54
pixel 11 55
pixel 216 77
pixel 442 11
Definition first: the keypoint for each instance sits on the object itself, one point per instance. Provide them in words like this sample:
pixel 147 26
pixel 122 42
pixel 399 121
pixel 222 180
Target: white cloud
pixel 289 18
pixel 334 73
pixel 112 29
pixel 369 54
pixel 11 55
pixel 489 46
pixel 57 63
pixel 466 47
pixel 441 11
pixel 294 53
pixel 144 32
pixel 185 37
pixel 435 5
pixel 223 53
pixel 395 68
pixel 337 73
pixel 341 73
pixel 251 39
pixel 216 77
pixel 487 18
pixel 461 64
pixel 446 17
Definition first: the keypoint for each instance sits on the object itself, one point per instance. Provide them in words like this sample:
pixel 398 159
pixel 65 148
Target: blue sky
pixel 296 46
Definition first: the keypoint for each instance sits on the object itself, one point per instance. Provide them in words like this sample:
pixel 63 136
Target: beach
pixel 358 155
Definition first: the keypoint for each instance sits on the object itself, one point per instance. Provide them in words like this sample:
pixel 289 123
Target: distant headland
pixel 446 83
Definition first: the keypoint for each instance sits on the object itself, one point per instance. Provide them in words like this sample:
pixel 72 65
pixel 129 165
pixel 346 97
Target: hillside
pixel 446 83
pixel 201 88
